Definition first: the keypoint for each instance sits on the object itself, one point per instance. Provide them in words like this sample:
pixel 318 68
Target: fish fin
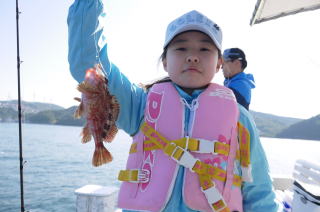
pixel 86 88
pixel 77 99
pixel 115 107
pixel 79 111
pixel 86 134
pixel 101 156
pixel 112 111
pixel 111 134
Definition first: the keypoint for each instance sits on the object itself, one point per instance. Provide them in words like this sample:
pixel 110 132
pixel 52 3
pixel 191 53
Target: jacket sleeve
pixel 88 46
pixel 259 194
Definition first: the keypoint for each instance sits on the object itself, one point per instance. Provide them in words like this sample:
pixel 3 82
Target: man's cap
pixel 235 54
pixel 194 20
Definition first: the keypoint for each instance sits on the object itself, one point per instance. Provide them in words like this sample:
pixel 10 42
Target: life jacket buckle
pixel 186 159
pixel 206 146
pixel 143 175
pixel 214 199
pixel 134 175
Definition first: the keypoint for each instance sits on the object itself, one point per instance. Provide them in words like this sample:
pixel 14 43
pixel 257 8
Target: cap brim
pixel 193 27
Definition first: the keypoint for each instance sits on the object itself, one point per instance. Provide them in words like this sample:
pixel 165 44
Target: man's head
pixel 234 62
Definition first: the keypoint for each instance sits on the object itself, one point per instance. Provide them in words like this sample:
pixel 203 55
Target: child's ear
pixel 219 64
pixel 164 64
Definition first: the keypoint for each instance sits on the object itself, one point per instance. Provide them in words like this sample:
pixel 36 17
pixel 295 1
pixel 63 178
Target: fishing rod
pixel 19 111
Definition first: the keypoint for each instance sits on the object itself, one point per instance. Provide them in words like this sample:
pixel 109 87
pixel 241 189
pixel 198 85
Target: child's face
pixel 192 60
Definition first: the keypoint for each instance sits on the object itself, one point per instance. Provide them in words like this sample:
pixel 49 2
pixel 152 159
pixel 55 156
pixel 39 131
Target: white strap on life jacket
pixel 246 173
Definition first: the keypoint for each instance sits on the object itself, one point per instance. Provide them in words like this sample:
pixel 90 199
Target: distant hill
pixel 8 109
pixel 59 117
pixel 7 114
pixel 270 125
pixel 29 107
pixel 306 129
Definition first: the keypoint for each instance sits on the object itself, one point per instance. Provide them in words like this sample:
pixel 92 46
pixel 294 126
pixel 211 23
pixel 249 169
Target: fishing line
pixel 95 38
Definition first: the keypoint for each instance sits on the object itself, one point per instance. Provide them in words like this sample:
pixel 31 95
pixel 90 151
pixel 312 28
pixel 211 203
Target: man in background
pixel 234 63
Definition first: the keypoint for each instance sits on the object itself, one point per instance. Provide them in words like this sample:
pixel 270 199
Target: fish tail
pixel 101 156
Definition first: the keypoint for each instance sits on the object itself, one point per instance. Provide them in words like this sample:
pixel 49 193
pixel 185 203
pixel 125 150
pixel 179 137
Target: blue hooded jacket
pixel 241 84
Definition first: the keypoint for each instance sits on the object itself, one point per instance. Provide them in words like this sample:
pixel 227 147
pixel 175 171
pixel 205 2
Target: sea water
pixel 56 163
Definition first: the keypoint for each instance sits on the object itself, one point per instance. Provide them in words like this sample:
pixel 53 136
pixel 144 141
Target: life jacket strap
pixel 244 144
pixel 134 175
pixel 185 158
pixel 191 144
pixel 212 194
pixel 181 156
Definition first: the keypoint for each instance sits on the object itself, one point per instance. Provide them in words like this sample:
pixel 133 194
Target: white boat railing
pixel 286 188
pixel 96 198
pixel 304 171
pixel 307 172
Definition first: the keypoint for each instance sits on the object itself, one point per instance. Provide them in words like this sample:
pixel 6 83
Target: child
pixel 184 156
pixel 234 63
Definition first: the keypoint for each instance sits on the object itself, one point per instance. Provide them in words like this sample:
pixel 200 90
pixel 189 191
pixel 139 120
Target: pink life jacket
pixel 214 115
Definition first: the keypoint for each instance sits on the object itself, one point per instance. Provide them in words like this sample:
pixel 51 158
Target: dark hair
pixel 163 56
pixel 243 64
pixel 156 81
pixel 235 54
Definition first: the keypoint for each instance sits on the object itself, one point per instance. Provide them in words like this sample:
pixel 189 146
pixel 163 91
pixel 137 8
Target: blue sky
pixel 282 54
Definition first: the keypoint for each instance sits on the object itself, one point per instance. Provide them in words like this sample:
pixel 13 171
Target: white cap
pixel 194 21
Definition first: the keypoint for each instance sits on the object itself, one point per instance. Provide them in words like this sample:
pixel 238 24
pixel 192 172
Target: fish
pixel 100 110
